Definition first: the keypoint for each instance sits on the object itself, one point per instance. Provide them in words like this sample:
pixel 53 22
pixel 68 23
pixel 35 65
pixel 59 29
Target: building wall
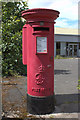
pixel 66 38
pixel 63 39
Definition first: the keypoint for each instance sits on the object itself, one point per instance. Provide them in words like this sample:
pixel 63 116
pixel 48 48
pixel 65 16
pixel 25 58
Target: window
pixel 57 48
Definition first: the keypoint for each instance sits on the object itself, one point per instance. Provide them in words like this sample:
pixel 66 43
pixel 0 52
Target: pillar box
pixel 38 55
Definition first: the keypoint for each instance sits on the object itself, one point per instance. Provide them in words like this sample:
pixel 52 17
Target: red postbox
pixel 38 55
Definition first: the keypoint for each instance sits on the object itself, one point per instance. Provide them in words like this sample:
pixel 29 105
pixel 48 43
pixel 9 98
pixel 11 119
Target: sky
pixel 68 9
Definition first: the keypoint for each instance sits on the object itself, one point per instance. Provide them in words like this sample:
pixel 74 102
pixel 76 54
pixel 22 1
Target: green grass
pixel 60 57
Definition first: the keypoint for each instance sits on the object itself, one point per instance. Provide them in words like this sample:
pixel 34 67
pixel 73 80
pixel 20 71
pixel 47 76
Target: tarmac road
pixel 66 76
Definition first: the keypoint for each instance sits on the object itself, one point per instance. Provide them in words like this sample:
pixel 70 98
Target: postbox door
pixel 24 44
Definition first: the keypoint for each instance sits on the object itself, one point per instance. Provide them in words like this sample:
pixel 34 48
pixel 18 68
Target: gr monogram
pixel 39 76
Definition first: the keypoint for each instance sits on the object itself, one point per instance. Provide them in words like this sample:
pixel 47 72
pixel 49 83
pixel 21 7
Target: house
pixel 66 42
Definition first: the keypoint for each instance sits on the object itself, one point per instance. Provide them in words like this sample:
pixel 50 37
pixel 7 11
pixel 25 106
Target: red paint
pixel 24 45
pixel 40 66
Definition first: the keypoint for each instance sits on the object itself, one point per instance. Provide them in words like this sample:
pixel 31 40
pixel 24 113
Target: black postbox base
pixel 40 105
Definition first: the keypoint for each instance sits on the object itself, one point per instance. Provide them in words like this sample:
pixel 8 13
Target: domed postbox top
pixel 40 14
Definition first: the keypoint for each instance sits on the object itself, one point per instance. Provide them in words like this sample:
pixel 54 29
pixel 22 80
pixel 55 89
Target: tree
pixel 12 24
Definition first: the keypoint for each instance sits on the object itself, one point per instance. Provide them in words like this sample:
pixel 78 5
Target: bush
pixel 58 57
pixel 78 84
pixel 12 38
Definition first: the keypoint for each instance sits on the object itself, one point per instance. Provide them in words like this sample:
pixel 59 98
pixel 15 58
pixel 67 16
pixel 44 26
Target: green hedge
pixel 12 38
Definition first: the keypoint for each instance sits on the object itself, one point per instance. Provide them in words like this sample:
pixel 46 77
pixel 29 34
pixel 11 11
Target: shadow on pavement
pixel 68 103
pixel 58 72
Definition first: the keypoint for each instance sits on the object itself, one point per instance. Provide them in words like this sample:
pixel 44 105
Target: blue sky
pixel 68 9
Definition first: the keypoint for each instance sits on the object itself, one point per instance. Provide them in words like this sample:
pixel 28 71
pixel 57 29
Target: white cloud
pixel 68 9
pixel 39 3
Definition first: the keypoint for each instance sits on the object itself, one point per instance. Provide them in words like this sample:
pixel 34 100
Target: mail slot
pixel 41 28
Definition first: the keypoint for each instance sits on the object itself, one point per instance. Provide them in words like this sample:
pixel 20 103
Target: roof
pixel 65 31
